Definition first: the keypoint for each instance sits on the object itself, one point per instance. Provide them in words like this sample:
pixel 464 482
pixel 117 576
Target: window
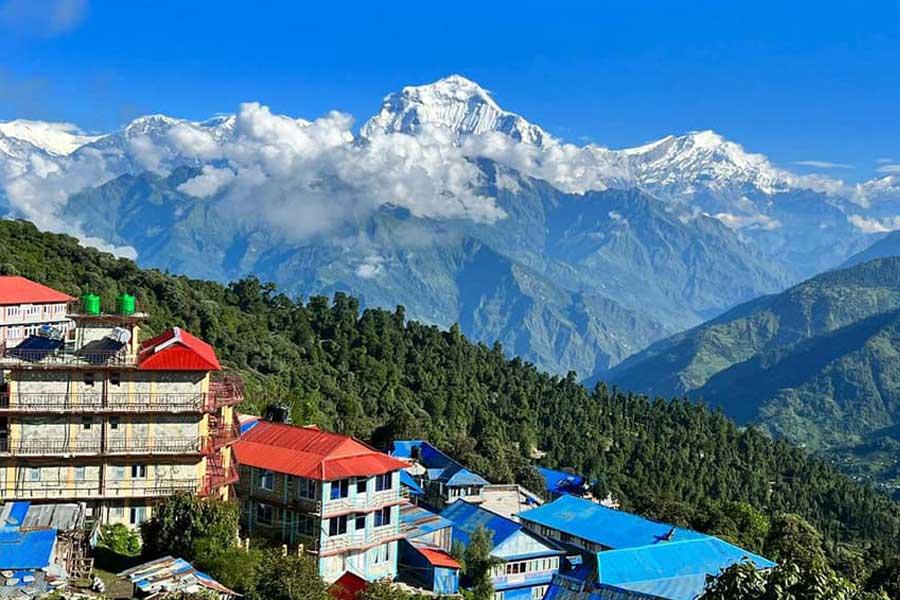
pixel 264 514
pixel 340 489
pixel 381 554
pixel 138 515
pixel 114 422
pixel 306 525
pixel 117 472
pixel 115 379
pixel 34 474
pixel 86 422
pixel 361 485
pixel 12 311
pixel 384 482
pixel 138 471
pixel 360 522
pixel 89 379
pixel 267 481
pixel 78 473
pixel 306 488
pixel 337 525
pixel 383 516
pixel 116 512
pixel 538 591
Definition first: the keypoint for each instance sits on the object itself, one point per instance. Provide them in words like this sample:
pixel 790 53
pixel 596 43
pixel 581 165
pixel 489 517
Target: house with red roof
pixel 26 306
pixel 101 417
pixel 334 495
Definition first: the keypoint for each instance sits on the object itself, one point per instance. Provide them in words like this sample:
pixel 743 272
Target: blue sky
pixel 798 81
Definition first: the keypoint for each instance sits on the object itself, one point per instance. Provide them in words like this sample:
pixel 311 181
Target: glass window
pixel 306 525
pixel 381 554
pixel 383 516
pixel 337 525
pixel 361 485
pixel 360 522
pixel 306 488
pixel 79 473
pixel 264 514
pixel 117 472
pixel 267 480
pixel 138 471
pixel 86 422
pixel 384 482
pixel 115 378
pixel 89 379
pixel 34 474
pixel 340 489
pixel 114 422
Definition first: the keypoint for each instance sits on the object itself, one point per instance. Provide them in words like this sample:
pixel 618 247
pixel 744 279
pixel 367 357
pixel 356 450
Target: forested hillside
pixel 377 375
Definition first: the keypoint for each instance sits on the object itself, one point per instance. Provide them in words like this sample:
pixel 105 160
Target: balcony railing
pixel 95 446
pixel 96 489
pixel 217 477
pixel 15 357
pixel 225 390
pixel 359 540
pixel 360 502
pixel 62 402
pixel 222 434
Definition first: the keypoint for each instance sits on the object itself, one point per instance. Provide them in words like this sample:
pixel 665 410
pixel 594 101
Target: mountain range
pixel 574 257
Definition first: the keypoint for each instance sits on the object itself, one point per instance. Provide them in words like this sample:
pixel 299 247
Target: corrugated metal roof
pixel 439 466
pixel 19 290
pixel 416 521
pixel 311 453
pixel 437 557
pixel 26 549
pixel 560 482
pixel 167 575
pixel 347 586
pixel 672 559
pixel 177 350
pixel 605 526
pixel 467 517
pixel 410 482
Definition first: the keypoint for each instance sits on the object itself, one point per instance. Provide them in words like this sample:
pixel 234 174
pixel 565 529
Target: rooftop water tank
pixel 125 304
pixel 91 304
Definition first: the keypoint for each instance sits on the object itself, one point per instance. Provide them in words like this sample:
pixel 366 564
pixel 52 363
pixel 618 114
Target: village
pixel 99 423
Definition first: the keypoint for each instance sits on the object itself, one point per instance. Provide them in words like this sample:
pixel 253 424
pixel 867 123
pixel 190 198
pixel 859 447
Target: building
pixel 508 499
pixel 166 577
pixel 587 527
pixel 425 559
pixel 443 479
pixel 118 424
pixel 627 557
pixel 526 561
pixel 558 483
pixel 26 306
pixel 331 493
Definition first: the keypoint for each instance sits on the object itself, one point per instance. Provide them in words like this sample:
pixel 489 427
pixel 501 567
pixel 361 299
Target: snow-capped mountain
pixel 59 139
pixel 454 103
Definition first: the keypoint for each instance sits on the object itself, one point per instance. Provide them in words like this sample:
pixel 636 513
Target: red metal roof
pixel 310 453
pixel 18 290
pixel 177 350
pixel 347 586
pixel 437 557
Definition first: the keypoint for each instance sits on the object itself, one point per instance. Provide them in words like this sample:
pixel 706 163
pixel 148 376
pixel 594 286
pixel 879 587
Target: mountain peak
pixel 56 138
pixel 455 103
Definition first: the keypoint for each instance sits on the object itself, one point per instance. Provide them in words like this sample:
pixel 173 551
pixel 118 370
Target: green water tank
pixel 91 304
pixel 125 303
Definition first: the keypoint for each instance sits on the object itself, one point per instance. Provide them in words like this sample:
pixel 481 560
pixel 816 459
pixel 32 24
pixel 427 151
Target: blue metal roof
pixel 467 517
pixel 416 521
pixel 438 465
pixel 26 549
pixel 675 570
pixel 560 482
pixel 410 482
pixel 605 526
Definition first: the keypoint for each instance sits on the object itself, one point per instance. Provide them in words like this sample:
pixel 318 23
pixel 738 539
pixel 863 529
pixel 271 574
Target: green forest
pixel 379 376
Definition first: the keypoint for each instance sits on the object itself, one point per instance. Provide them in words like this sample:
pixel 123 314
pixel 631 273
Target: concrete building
pixel 330 493
pixel 526 562
pixel 443 479
pixel 117 424
pixel 25 306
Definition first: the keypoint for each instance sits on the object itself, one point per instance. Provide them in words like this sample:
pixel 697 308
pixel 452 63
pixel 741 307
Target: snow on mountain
pixel 454 102
pixel 59 139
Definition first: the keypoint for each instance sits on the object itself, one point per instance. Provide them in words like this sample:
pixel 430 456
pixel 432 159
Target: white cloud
pixel 872 225
pixel 208 183
pixel 885 160
pixel 370 267
pixel 890 169
pixel 756 221
pixel 822 164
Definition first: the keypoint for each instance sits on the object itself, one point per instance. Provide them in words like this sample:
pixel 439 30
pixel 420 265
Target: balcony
pixel 225 390
pixel 95 489
pixel 222 434
pixel 218 476
pixel 360 502
pixel 359 540
pixel 63 357
pixel 143 446
pixel 52 403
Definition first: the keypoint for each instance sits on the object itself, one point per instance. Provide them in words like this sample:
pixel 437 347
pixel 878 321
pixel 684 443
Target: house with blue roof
pixel 27 556
pixel 425 559
pixel 558 483
pixel 588 527
pixel 443 479
pixel 526 561
pixel 628 557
